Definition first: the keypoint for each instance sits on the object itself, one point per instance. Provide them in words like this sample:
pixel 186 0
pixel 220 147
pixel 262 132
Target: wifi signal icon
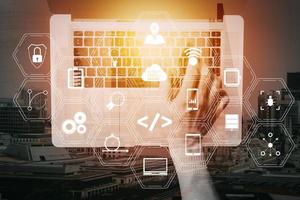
pixel 193 54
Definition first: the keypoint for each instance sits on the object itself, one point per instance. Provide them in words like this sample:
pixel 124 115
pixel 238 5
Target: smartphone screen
pixel 192 144
pixel 192 99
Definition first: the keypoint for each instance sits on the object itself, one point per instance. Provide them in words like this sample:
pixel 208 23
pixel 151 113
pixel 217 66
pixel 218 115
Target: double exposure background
pixel 32 168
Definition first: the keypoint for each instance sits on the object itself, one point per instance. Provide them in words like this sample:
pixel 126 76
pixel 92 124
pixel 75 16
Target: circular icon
pixel 116 99
pixel 112 143
pixel 69 127
pixel 80 117
pixel 81 129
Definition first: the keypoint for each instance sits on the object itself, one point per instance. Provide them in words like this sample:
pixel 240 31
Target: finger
pixel 221 105
pixel 189 81
pixel 164 88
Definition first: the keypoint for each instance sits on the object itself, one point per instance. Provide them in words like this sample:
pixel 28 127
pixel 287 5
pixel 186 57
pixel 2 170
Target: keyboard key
pixel 120 33
pixel 165 52
pixel 96 61
pixel 80 52
pixel 129 42
pixel 93 52
pixel 216 52
pixel 98 42
pixel 88 41
pixel 78 33
pixel 88 82
pixel 130 33
pixel 200 42
pixel 216 33
pixel 137 62
pixel 119 62
pixel 103 52
pixel 182 71
pixel 126 62
pixel 99 33
pixel 109 42
pixel 195 34
pixel 119 42
pixel 134 52
pixel 90 72
pixel 122 83
pixel 77 41
pixel 111 71
pixel 175 52
pixel 110 82
pixel 190 42
pixel 217 62
pixel 110 33
pixel 135 82
pixel 205 51
pixel 89 33
pixel 205 34
pixel 124 52
pixel 106 62
pixel 82 62
pixel 99 82
pixel 167 62
pixel 170 41
pixel 145 51
pixel 121 71
pixel 131 71
pixel 101 71
pixel 180 42
pixel 114 52
pixel 216 42
pixel 207 61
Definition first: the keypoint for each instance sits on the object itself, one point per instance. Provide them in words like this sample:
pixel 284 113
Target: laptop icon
pixel 107 56
pixel 155 166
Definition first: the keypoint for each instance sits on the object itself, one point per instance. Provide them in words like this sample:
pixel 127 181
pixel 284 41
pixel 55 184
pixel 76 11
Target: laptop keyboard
pixel 117 59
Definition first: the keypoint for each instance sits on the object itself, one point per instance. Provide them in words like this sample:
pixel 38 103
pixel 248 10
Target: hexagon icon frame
pixel 140 121
pixel 140 181
pixel 21 66
pixel 252 109
pixel 210 140
pixel 287 135
pixel 60 139
pixel 98 149
pixel 31 99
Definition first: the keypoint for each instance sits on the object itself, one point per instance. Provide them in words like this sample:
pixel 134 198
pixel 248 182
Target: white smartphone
pixel 192 144
pixel 192 99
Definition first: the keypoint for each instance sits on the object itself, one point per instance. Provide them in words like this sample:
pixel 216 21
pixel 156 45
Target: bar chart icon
pixel 231 121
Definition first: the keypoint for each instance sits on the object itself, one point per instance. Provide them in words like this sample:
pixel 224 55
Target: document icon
pixel 231 121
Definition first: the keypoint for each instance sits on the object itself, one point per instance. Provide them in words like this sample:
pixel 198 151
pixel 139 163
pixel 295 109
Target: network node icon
pixel 270 146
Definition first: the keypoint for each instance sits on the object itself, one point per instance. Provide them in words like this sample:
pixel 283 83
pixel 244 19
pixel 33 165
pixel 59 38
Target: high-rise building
pixel 12 122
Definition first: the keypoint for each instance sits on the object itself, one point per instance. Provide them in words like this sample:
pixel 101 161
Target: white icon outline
pixel 189 136
pixel 232 122
pixel 155 173
pixel 70 126
pixel 33 56
pixel 193 101
pixel 111 104
pixel 152 126
pixel 229 84
pixel 193 54
pixel 115 149
pixel 31 98
pixel 154 38
pixel 72 78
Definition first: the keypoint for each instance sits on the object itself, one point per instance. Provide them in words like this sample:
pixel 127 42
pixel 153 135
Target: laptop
pixel 155 166
pixel 106 73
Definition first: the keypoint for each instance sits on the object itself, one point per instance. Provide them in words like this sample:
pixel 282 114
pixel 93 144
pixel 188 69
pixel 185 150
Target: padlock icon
pixel 37 55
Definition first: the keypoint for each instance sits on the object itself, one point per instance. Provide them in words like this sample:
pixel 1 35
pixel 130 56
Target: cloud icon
pixel 154 73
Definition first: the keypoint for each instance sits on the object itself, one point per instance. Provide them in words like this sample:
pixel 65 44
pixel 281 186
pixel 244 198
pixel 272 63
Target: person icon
pixel 155 38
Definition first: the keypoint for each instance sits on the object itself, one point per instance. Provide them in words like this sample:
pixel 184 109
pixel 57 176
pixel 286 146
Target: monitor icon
pixel 155 166
pixel 231 77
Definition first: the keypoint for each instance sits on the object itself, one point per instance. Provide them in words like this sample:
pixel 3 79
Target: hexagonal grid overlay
pixel 153 121
pixel 32 55
pixel 192 146
pixel 114 144
pixel 153 168
pixel 269 100
pixel 33 99
pixel 270 145
pixel 74 124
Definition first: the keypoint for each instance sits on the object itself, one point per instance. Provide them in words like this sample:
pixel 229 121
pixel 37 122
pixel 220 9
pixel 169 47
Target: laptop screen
pixel 155 164
pixel 132 9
